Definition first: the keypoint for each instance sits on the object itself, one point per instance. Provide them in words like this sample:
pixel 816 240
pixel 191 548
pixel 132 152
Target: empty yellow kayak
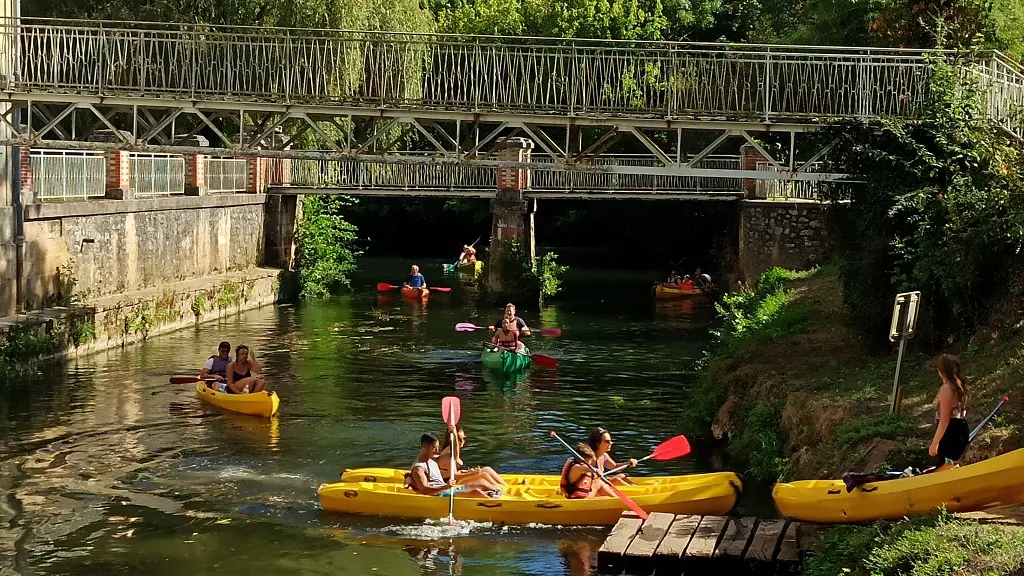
pixel 992 482
pixel 263 403
pixel 662 292
pixel 706 494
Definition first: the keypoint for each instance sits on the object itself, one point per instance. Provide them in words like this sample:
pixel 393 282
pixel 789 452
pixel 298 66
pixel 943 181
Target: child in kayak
pixel 486 476
pixel 425 476
pixel 600 441
pixel 578 480
pixel 508 337
pixel 415 279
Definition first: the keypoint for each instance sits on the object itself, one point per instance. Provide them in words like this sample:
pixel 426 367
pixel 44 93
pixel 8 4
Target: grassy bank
pixel 799 395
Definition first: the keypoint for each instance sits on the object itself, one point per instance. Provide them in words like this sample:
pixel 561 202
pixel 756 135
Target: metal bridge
pixel 90 85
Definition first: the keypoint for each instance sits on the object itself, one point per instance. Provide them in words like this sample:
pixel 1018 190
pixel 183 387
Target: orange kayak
pixel 416 293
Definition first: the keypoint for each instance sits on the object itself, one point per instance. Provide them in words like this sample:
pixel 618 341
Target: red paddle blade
pixel 629 503
pixel 451 410
pixel 672 448
pixel 440 289
pixel 545 361
pixel 550 331
pixel 184 379
pixel 384 287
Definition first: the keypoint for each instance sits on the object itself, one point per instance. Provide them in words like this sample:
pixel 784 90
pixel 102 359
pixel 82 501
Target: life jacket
pixel 581 488
pixel 220 367
pixel 512 344
pixel 687 285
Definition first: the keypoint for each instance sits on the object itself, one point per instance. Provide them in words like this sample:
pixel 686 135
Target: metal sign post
pixel 903 327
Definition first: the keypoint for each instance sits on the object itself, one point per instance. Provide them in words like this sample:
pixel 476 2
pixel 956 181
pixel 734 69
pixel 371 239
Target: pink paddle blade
pixel 184 379
pixel 451 410
pixel 440 289
pixel 384 287
pixel 467 327
pixel 672 448
pixel 550 331
pixel 544 361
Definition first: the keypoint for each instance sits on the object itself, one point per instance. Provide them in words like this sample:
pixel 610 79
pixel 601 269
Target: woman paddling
pixel 486 476
pixel 952 433
pixel 600 441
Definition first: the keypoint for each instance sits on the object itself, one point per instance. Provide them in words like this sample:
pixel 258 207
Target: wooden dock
pixel 669 544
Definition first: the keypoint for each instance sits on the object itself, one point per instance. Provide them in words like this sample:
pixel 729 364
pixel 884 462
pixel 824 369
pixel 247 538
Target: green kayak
pixel 505 361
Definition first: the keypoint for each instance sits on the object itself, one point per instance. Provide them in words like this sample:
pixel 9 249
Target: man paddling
pixel 510 313
pixel 425 475
pixel 415 279
pixel 217 366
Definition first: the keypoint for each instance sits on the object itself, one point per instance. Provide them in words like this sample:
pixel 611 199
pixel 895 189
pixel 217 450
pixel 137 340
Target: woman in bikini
pixel 952 433
pixel 600 441
pixel 244 375
pixel 485 476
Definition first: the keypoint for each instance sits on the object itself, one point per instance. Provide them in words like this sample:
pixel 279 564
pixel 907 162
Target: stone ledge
pixel 795 202
pixel 56 210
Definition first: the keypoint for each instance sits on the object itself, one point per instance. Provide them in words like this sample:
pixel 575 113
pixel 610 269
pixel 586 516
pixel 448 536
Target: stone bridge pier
pixel 512 214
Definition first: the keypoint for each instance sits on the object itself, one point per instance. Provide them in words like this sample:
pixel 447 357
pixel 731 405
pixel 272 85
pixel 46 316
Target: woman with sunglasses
pixel 484 475
pixel 600 441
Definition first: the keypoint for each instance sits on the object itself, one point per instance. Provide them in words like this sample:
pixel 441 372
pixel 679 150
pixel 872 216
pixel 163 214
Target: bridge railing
pixel 59 175
pixel 468 73
pixel 364 175
pixel 157 174
pixel 227 175
pixel 1003 80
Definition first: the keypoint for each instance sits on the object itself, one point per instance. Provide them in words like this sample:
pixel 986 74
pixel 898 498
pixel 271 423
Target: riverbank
pixel 800 396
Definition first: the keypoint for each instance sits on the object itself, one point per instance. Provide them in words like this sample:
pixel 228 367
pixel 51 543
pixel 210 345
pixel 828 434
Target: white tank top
pixel 434 479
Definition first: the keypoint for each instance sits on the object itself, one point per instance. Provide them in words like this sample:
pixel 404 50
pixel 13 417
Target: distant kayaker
pixel 702 279
pixel 686 284
pixel 485 475
pixel 508 337
pixel 510 312
pixel 244 375
pixel 468 255
pixel 673 279
pixel 425 476
pixel 415 279
pixel 217 366
pixel 577 479
pixel 600 441
pixel 952 433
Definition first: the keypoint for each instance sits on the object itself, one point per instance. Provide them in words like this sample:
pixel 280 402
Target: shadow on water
pixel 108 469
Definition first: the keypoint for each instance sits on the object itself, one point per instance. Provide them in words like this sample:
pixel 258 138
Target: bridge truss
pixel 359 96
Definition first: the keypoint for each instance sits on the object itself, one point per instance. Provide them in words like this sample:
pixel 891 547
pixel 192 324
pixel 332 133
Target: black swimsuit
pixel 238 377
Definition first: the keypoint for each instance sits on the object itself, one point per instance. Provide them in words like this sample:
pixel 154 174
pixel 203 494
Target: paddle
pixel 469 327
pixel 384 287
pixel 625 499
pixel 189 379
pixel 855 479
pixel 540 359
pixel 668 450
pixel 451 411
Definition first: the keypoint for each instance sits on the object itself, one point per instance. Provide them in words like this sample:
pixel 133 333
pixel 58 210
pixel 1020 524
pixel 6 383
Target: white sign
pixel 904 315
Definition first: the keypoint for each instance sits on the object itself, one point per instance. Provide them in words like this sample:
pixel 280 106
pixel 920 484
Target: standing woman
pixel 952 433
pixel 600 441
pixel 244 375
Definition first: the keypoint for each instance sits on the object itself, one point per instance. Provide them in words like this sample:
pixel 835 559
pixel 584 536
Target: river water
pixel 108 469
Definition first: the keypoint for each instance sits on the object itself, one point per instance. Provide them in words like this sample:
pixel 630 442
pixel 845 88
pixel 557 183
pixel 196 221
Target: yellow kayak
pixel 538 503
pixel 256 404
pixel 662 292
pixel 992 482
pixel 396 476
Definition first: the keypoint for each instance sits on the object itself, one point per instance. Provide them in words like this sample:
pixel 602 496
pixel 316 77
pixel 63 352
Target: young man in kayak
pixel 216 367
pixel 425 476
pixel 415 279
pixel 510 312
pixel 577 479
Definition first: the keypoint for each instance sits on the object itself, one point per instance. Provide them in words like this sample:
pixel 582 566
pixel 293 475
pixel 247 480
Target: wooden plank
pixel 736 538
pixel 789 550
pixel 620 537
pixel 650 535
pixel 705 538
pixel 677 538
pixel 766 540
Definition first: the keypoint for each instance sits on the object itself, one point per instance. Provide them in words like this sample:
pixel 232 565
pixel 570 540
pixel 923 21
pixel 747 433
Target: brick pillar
pixel 512 216
pixel 25 167
pixel 749 157
pixel 195 168
pixel 119 175
pixel 256 175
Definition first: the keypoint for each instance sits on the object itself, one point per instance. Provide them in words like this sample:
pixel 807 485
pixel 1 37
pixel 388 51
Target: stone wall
pixel 791 234
pixel 120 246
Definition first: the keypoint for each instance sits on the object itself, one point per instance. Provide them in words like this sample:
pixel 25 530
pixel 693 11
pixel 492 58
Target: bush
pixel 941 209
pixel 760 445
pixel 751 316
pixel 327 251
pixel 889 427
pixel 525 278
